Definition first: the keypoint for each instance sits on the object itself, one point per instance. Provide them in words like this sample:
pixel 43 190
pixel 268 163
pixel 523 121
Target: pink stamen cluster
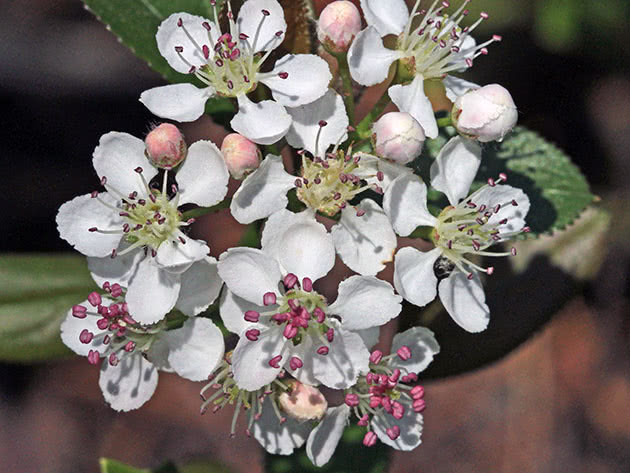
pixel 299 313
pixel 384 393
pixel 114 320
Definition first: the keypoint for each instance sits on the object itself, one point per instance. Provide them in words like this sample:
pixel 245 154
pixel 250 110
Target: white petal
pixel 410 430
pixel 117 270
pixel 203 177
pixel 200 286
pixel 232 309
pixel 365 244
pixel 364 302
pixel 158 355
pixel 299 243
pixel 405 203
pixel 263 192
pixel 250 360
pixel 176 257
pixel 455 87
pixel 411 98
pixel 346 360
pixel 369 165
pixel 369 59
pixel 414 277
pixel 179 102
pixel 78 215
pixel 277 438
pixel 116 157
pixel 455 168
pixel 264 122
pixel 308 79
pixel 305 127
pixel 249 273
pixel 504 195
pixel 369 336
pixel 388 17
pixel 250 17
pixel 324 438
pixel 423 345
pixel 128 385
pixel 465 301
pixel 169 36
pixel 72 327
pixel 195 349
pixel 152 292
pixel 305 351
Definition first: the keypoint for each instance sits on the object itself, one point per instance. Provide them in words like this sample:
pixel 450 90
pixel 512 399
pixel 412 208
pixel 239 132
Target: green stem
pixel 364 128
pixel 444 121
pixel 346 81
pixel 272 149
pixel 201 211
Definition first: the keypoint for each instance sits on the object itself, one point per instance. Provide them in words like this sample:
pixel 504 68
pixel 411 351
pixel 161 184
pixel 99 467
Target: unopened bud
pixel 165 146
pixel 303 402
pixel 397 136
pixel 485 114
pixel 241 155
pixel 338 24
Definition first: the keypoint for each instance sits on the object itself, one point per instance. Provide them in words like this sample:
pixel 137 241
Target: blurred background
pixel 559 402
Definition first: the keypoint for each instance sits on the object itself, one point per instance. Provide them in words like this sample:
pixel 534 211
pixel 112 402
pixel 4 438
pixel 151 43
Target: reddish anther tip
pixel 275 361
pixel 490 270
pixel 295 363
pixel 86 336
pixel 130 346
pixel 113 359
pixel 252 334
pixel 404 353
pixel 307 284
pixel 290 331
pixel 180 22
pixel 330 335
pixel 484 15
pixel 369 440
pixel 393 432
pixel 79 311
pixel 269 298
pixel 352 400
pixel 376 357
pixel 265 12
pixel 290 280
pixel 417 392
pixel 323 350
pixel 323 123
pixel 95 299
pixel 419 405
pixel 283 75
pixel 363 421
pixel 319 315
pixel 93 357
pixel 252 316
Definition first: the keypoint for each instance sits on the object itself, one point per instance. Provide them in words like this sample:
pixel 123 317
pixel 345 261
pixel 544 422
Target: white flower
pixel 283 323
pixel 436 46
pixel 229 64
pixel 490 215
pixel 363 237
pixel 102 327
pixel 382 400
pixel 132 232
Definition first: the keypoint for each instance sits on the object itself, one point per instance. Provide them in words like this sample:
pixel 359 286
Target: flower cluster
pixel 349 192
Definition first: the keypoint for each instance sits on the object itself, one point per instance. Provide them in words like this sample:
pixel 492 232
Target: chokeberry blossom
pixel 132 233
pixel 132 353
pixel 363 237
pixel 438 45
pixel 283 323
pixel 385 400
pixel 468 226
pixel 229 64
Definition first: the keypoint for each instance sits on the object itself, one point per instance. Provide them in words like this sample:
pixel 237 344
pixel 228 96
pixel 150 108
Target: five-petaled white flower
pixel 229 63
pixel 470 225
pixel 283 322
pixel 363 237
pixel 132 353
pixel 140 226
pixel 436 46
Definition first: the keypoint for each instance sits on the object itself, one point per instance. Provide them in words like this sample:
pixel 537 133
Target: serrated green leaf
pixel 112 466
pixel 135 23
pixel 37 292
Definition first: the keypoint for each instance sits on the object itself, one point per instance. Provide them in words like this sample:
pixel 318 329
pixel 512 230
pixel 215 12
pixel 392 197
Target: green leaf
pixel 113 466
pixel 37 292
pixel 135 23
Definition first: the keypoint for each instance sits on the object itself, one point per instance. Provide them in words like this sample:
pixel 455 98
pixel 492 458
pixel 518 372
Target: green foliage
pixel 112 466
pixel 135 23
pixel 37 292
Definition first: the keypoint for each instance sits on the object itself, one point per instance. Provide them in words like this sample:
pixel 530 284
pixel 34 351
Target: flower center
pixel 438 44
pixel 232 64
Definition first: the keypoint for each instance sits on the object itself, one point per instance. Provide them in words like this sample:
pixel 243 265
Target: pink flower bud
pixel 338 24
pixel 241 155
pixel 303 402
pixel 397 136
pixel 485 114
pixel 165 146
